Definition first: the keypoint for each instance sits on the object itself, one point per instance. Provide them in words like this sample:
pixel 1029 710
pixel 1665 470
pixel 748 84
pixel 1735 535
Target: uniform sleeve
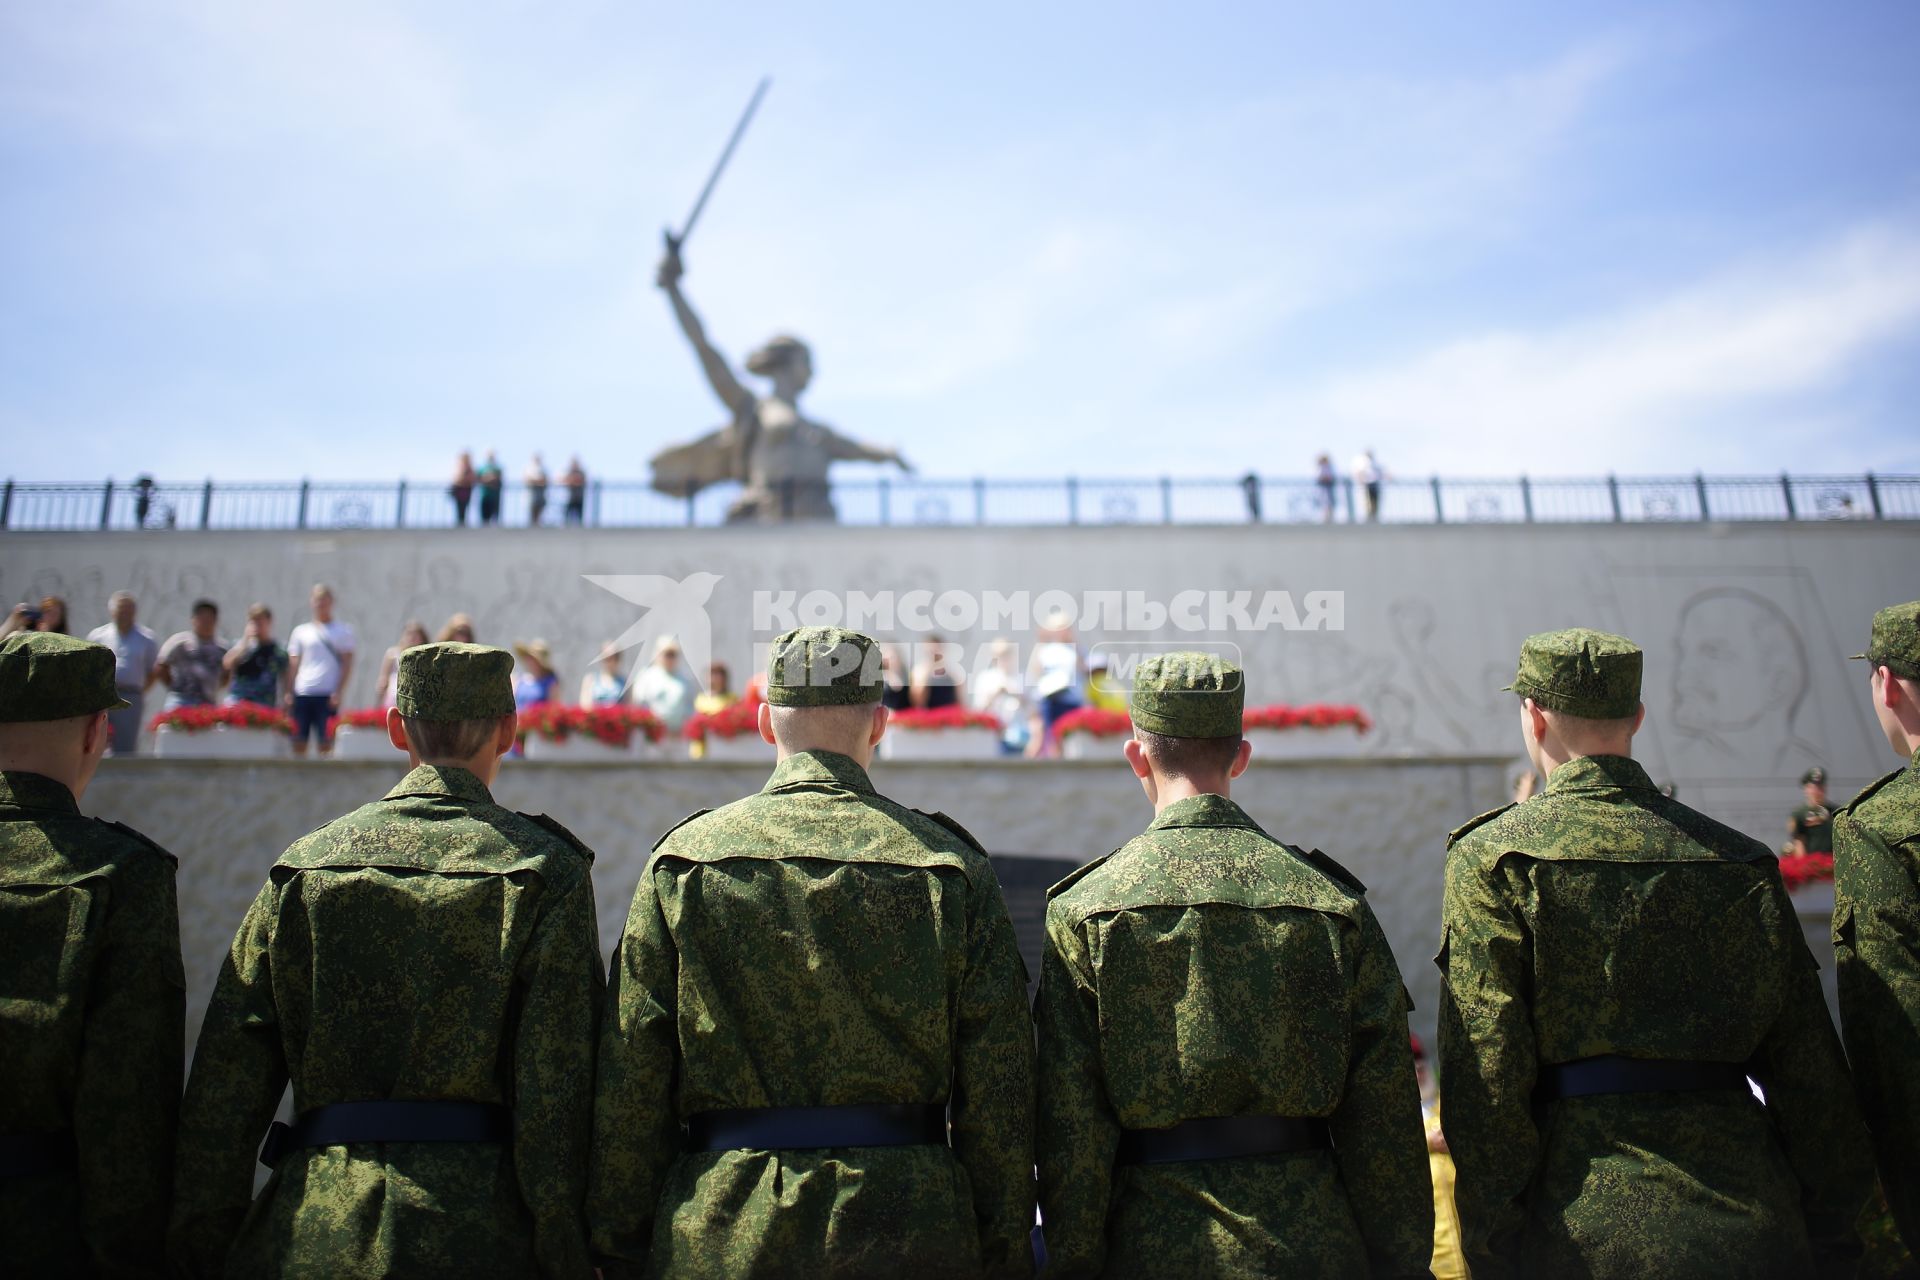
pixel 1801 1068
pixel 1487 1062
pixel 1079 1134
pixel 127 1097
pixel 1379 1138
pixel 239 1073
pixel 636 1130
pixel 562 985
pixel 1876 944
pixel 991 1108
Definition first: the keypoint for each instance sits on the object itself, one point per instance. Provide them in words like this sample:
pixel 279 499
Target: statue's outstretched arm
pixel 736 397
pixel 846 449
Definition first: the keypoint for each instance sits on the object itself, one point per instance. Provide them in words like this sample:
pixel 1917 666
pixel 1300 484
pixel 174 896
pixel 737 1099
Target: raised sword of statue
pixel 720 166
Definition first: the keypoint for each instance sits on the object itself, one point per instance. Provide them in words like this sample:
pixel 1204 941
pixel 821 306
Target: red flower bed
pixel 1800 869
pixel 240 715
pixel 1313 715
pixel 953 717
pixel 1094 720
pixel 363 718
pixel 728 722
pixel 614 726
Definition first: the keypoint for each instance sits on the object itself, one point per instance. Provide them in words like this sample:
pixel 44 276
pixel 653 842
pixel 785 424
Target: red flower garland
pixel 1802 869
pixel 1314 715
pixel 614 725
pixel 238 715
pixel 363 718
pixel 948 717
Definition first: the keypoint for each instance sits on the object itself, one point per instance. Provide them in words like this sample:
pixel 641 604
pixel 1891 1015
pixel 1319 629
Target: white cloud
pixel 1633 388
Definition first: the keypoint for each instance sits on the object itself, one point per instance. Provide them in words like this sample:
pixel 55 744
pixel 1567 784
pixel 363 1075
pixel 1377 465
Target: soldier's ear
pixel 1136 754
pixel 1241 756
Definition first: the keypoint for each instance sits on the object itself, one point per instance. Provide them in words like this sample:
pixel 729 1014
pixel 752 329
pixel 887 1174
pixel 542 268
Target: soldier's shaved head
pixel 67 750
pixel 848 729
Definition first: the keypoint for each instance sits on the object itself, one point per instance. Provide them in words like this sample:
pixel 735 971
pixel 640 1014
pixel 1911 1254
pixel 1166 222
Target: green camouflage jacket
pixel 1876 943
pixel 815 945
pixel 1205 969
pixel 429 946
pixel 92 1034
pixel 1601 917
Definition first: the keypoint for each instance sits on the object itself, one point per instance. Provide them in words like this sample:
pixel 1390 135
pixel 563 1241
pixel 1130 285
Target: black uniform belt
pixel 340 1123
pixel 1611 1073
pixel 1223 1138
pixel 29 1155
pixel 798 1128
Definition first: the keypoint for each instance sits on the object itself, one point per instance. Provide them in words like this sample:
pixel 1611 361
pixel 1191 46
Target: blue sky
pixel 347 239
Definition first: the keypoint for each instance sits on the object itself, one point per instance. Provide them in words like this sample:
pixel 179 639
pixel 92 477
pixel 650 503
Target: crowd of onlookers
pixel 487 483
pixel 198 666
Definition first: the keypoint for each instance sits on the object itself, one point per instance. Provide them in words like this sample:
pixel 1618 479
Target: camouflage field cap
pixel 1188 695
pixel 823 667
pixel 453 681
pixel 1895 641
pixel 47 676
pixel 1814 775
pixel 1582 673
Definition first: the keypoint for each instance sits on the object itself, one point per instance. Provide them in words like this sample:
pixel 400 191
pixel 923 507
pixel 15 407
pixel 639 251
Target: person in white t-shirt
pixel 320 654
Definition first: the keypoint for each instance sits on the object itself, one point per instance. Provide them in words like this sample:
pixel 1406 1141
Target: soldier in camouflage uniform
pixel 92 992
pixel 1876 921
pixel 1226 1079
pixel 1615 966
pixel 816 1058
pixel 426 973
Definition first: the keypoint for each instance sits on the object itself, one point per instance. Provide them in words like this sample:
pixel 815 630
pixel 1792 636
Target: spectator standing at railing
pixel 536 480
pixel 937 681
pixel 461 490
pixel 135 654
pixel 191 662
pixel 411 635
pixel 256 665
pixel 719 693
pixel 1056 672
pixel 603 686
pixel 490 481
pixel 663 688
pixel 1368 475
pixel 1323 477
pixel 459 630
pixel 536 681
pixel 574 481
pixel 321 653
pixel 1000 692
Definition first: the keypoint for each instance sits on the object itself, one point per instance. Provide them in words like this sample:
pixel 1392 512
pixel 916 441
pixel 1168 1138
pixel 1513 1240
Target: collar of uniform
pixel 36 791
pixel 443 780
pixel 1599 773
pixel 819 766
pixel 1205 810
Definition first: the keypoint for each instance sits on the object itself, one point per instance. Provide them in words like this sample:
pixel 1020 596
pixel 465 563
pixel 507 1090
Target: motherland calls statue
pixel 780 457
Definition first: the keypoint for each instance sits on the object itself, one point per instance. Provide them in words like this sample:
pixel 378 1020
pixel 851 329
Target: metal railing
pixel 894 501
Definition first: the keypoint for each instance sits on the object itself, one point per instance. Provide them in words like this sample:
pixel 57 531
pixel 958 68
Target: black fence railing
pixel 893 501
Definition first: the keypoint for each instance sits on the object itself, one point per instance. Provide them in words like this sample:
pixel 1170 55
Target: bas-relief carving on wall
pixel 1745 683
